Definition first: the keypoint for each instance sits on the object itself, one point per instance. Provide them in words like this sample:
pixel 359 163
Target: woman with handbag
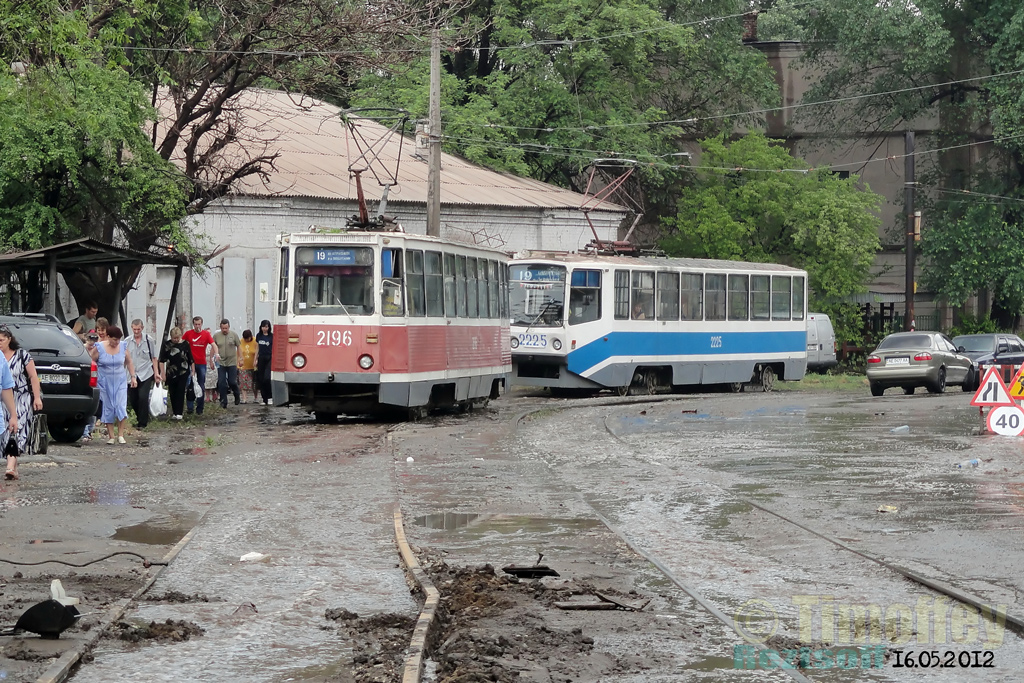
pixel 176 369
pixel 28 397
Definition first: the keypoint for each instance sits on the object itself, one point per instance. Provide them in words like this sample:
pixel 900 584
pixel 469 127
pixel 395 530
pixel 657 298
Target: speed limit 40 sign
pixel 1006 420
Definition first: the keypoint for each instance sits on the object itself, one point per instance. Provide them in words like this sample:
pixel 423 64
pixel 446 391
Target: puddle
pixel 448 521
pixel 163 530
pixel 505 524
pixel 711 664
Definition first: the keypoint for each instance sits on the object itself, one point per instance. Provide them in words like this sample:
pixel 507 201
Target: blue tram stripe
pixel 639 344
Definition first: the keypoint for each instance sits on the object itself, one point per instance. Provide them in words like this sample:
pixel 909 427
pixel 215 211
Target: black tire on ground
pixel 876 389
pixel 939 385
pixel 67 432
pixel 40 439
pixel 969 381
pixel 909 390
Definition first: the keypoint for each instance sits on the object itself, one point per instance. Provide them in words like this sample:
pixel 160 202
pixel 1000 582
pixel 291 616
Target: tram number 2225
pixel 333 338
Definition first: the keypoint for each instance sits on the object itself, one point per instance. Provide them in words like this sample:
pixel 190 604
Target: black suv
pixel 67 374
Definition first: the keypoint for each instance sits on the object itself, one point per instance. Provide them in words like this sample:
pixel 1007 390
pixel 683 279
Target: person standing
pixel 247 365
pixel 112 358
pixel 86 322
pixel 176 369
pixel 141 349
pixel 198 339
pixel 228 343
pixel 265 342
pixel 28 397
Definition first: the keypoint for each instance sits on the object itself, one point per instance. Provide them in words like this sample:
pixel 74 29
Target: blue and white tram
pixel 582 323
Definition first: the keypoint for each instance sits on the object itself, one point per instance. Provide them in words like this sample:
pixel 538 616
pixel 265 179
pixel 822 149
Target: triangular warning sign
pixel 992 391
pixel 1016 387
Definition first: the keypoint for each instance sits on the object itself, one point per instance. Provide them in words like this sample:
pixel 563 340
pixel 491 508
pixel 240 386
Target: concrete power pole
pixel 434 153
pixel 909 184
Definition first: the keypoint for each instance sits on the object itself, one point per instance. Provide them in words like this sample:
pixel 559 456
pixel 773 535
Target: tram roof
pixel 315 151
pixel 652 261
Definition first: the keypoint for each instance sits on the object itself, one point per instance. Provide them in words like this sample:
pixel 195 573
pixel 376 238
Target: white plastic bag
pixel 157 401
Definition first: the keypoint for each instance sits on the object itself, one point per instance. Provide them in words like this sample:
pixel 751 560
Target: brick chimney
pixel 750 27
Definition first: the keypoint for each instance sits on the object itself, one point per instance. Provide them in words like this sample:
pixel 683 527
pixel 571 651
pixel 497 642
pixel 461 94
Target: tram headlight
pixel 515 343
pixel 556 345
pixel 299 361
pixel 366 361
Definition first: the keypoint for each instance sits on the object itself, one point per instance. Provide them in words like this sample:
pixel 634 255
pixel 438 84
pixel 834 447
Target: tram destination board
pixel 334 257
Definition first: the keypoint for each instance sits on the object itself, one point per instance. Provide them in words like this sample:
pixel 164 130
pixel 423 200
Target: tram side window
pixel 714 297
pixel 434 284
pixel 622 295
pixel 483 280
pixel 798 298
pixel 503 273
pixel 585 296
pixel 460 285
pixel 471 289
pixel 668 296
pixel 760 297
pixel 449 285
pixel 781 297
pixel 692 296
pixel 738 297
pixel 493 287
pixel 391 272
pixel 643 296
pixel 282 288
pixel 414 283
pixel 334 281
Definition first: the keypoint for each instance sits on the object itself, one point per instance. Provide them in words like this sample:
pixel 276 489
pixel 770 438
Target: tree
pixel 960 62
pixel 542 88
pixel 199 56
pixel 752 201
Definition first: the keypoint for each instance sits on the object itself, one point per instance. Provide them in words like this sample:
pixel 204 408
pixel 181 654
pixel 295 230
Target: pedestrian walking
pixel 86 322
pixel 227 342
pixel 111 357
pixel 265 344
pixel 28 397
pixel 142 351
pixel 198 339
pixel 247 365
pixel 98 334
pixel 176 369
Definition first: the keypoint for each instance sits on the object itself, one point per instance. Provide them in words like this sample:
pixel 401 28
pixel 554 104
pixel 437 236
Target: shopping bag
pixel 157 401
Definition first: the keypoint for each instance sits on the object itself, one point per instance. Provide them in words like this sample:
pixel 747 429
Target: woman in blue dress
pixel 111 360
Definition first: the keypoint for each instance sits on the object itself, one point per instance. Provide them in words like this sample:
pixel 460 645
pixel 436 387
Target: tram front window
pixel 537 295
pixel 334 281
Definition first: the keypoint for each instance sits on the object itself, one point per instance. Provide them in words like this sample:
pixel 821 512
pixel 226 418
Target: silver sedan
pixel 915 359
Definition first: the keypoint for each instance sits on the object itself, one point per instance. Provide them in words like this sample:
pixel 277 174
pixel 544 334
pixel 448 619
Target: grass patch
pixel 813 382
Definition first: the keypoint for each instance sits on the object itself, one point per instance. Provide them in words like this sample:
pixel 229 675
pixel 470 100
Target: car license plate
pixel 55 379
pixel 900 360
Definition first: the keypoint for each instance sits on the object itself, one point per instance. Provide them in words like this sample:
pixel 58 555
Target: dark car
pixel 67 374
pixel 991 349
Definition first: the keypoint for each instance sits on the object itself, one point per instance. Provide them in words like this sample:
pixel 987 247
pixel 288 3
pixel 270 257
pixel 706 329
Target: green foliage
pixel 970 324
pixel 743 206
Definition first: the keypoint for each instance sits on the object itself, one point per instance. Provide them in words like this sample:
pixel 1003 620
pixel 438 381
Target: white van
pixel 821 343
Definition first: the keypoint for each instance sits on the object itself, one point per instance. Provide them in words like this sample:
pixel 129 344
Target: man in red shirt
pixel 198 339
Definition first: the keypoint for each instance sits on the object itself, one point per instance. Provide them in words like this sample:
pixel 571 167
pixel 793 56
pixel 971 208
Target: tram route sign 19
pixel 992 391
pixel 334 257
pixel 1006 420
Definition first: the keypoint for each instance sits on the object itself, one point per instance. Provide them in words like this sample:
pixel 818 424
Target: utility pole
pixel 434 153
pixel 909 184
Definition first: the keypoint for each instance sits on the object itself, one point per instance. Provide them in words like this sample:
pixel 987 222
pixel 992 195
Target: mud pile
pixel 379 644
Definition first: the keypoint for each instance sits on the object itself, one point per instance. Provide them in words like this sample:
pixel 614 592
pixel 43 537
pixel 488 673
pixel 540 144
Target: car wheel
pixel 940 383
pixel 909 390
pixel 876 389
pixel 67 432
pixel 969 381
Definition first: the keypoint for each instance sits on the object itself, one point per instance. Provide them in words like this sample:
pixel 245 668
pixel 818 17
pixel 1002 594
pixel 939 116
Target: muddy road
pixel 733 535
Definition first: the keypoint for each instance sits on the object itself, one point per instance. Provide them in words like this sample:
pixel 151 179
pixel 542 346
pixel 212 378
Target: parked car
pixel 915 359
pixel 67 374
pixel 991 349
pixel 821 343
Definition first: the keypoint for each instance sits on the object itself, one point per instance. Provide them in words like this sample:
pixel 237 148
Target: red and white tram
pixel 367 321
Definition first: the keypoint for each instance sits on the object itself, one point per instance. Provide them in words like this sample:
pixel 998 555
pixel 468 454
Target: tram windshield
pixel 334 281
pixel 537 294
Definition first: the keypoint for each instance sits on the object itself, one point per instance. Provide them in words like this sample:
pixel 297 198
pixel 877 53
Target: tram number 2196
pixel 333 338
pixel 716 342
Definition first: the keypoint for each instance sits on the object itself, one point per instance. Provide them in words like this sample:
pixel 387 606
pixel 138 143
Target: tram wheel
pixel 767 378
pixel 736 387
pixel 651 382
pixel 417 413
pixel 622 391
pixel 323 418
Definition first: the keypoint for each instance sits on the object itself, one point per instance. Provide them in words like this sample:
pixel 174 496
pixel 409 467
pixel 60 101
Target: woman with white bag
pixel 176 368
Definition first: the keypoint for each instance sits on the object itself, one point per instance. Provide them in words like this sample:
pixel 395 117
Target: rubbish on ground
pixel 252 557
pixel 410 459
pixel 692 411
pixel 531 572
pixel 47 619
pixel 903 429
pixel 888 508
pixel 246 608
pixel 573 604
pixel 973 462
pixel 58 593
